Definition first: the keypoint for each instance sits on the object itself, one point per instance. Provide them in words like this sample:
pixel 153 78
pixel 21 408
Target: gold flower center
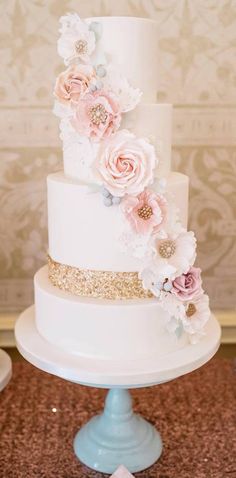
pixel 191 310
pixel 81 46
pixel 145 212
pixel 167 249
pixel 98 114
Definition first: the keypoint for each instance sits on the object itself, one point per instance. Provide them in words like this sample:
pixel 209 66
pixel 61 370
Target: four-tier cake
pixel 120 281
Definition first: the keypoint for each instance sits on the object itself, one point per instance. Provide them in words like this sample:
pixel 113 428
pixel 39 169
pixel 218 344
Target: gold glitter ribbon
pixel 96 284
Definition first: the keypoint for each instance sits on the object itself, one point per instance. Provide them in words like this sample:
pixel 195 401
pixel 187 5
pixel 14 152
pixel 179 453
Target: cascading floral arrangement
pixel 91 98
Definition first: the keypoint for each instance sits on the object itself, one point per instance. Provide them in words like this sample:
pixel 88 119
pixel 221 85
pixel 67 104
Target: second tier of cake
pixel 84 233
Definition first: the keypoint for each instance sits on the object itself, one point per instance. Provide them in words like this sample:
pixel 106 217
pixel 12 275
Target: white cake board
pixel 108 373
pixel 5 369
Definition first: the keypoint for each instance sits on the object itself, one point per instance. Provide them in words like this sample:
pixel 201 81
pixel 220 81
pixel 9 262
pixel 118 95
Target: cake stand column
pixel 118 436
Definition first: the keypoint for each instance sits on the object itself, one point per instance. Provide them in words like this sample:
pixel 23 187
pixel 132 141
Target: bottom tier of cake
pixel 106 329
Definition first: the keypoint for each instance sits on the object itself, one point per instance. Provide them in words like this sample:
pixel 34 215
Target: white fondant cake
pixel 132 45
pixel 121 281
pixel 77 224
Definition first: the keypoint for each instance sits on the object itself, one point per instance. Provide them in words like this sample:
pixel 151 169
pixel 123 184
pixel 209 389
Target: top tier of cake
pixel 112 65
pixel 132 45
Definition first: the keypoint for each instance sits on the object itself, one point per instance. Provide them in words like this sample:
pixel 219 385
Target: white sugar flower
pixel 175 310
pixel 68 22
pixel 154 277
pixel 197 313
pixel 149 282
pixel 178 252
pixel 77 41
pixel 68 134
pixel 61 110
pixel 127 96
pixel 79 153
pixel 67 131
pixel 135 244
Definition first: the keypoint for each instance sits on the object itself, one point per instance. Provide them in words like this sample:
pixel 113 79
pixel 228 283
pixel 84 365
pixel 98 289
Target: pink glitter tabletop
pixel 195 414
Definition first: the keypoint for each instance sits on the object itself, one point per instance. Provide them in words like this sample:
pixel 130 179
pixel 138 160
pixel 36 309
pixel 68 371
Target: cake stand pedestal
pixel 5 369
pixel 117 436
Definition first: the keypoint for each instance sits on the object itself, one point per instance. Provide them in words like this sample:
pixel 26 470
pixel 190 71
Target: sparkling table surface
pixel 195 414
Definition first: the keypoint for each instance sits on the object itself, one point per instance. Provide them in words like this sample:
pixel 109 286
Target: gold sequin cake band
pixel 96 284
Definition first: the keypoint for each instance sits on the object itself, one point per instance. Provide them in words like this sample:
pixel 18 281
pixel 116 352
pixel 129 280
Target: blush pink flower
pixel 189 285
pixel 73 83
pixel 146 212
pixel 125 164
pixel 97 115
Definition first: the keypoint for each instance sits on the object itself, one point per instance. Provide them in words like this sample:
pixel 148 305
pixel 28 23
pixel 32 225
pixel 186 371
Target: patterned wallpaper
pixel 197 74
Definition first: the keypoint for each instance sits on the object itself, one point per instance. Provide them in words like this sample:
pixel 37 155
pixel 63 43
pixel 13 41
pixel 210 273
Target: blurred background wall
pixel 197 41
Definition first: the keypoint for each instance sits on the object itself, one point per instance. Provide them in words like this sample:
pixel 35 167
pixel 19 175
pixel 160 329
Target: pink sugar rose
pixel 146 212
pixel 73 83
pixel 189 285
pixel 125 164
pixel 97 115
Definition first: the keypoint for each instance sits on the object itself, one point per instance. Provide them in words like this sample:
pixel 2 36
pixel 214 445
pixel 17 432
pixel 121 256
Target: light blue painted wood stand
pixel 118 436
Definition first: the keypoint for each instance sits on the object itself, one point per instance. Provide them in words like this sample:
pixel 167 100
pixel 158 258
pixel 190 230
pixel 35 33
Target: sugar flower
pixel 62 110
pixel 137 245
pixel 97 115
pixel 146 213
pixel 179 252
pixel 125 164
pixel 153 277
pixel 188 285
pixel 77 41
pixel 72 84
pixel 175 310
pixel 128 96
pixel 197 313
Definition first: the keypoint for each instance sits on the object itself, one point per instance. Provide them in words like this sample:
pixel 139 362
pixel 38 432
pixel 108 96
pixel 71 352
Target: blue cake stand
pixel 5 369
pixel 117 436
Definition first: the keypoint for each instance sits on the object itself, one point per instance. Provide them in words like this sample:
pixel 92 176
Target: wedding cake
pixel 120 283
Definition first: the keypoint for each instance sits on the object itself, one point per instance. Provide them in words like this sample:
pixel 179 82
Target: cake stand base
pixel 5 369
pixel 118 436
